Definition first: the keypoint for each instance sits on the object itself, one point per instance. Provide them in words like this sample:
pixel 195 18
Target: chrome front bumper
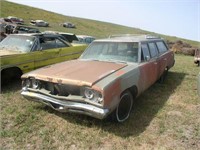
pixel 67 106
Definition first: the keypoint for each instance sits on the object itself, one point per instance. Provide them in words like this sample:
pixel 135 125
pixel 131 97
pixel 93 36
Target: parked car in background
pixel 15 20
pixel 39 23
pixel 197 57
pixel 85 39
pixel 15 28
pixel 106 78
pixel 69 25
pixel 69 37
pixel 21 53
pixel 9 28
pixel 25 29
pixel 2 30
pixel 5 20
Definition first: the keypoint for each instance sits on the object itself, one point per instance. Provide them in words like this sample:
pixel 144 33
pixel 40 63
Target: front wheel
pixel 124 107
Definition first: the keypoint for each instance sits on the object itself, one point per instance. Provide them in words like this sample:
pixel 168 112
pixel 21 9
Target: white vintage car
pixel 39 23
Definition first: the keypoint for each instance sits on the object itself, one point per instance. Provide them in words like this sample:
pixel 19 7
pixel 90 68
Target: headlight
pixel 89 93
pixel 92 95
pixel 27 83
pixel 31 83
pixel 36 84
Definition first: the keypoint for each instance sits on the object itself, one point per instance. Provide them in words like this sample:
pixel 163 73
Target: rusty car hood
pixel 76 72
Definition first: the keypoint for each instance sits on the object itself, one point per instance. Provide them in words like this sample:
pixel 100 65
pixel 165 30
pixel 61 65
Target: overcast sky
pixel 171 17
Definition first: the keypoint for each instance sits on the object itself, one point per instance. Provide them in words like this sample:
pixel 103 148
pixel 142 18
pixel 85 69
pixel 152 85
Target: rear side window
pixel 161 46
pixel 145 51
pixel 153 49
pixel 59 43
pixel 51 42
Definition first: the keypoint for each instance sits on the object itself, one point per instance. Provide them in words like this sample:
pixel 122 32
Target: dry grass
pixel 167 116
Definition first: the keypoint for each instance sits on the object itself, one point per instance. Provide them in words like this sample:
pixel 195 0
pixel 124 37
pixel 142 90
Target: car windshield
pixel 112 51
pixel 17 43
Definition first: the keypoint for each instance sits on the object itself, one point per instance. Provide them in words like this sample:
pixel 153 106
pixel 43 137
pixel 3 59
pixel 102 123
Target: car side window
pixel 153 49
pixel 145 52
pixel 51 42
pixel 59 43
pixel 47 43
pixel 161 47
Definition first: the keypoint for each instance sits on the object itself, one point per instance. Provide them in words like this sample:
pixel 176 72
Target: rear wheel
pixel 124 107
pixel 163 76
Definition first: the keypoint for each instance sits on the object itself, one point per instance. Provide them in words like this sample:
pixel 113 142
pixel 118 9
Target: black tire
pixel 199 63
pixel 124 107
pixel 163 76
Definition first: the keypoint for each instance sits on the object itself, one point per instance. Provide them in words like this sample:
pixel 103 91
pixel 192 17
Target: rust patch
pixel 148 75
pixel 77 72
pixel 120 73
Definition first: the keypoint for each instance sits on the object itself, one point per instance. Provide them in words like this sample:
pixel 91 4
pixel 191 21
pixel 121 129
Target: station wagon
pixel 105 80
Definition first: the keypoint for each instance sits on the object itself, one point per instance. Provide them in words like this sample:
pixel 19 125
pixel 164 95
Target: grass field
pixel 166 116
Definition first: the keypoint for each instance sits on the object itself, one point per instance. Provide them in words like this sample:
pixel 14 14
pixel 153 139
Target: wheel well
pixel 133 90
pixel 12 72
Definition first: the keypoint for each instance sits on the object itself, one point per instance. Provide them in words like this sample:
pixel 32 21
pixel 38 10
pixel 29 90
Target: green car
pixel 21 53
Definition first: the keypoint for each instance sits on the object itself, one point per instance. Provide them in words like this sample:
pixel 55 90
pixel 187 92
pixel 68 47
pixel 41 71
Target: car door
pixel 164 57
pixel 49 51
pixel 148 67
pixel 154 56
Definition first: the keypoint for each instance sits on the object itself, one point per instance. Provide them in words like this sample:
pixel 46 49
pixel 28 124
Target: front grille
pixel 60 89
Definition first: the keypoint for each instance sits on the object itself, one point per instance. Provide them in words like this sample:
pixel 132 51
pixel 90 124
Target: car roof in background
pixel 69 36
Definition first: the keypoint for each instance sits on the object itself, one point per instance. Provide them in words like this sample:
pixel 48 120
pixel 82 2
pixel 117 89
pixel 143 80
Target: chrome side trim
pixel 67 106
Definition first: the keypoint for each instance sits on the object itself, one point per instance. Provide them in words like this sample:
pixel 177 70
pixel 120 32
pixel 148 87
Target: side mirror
pixel 147 58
